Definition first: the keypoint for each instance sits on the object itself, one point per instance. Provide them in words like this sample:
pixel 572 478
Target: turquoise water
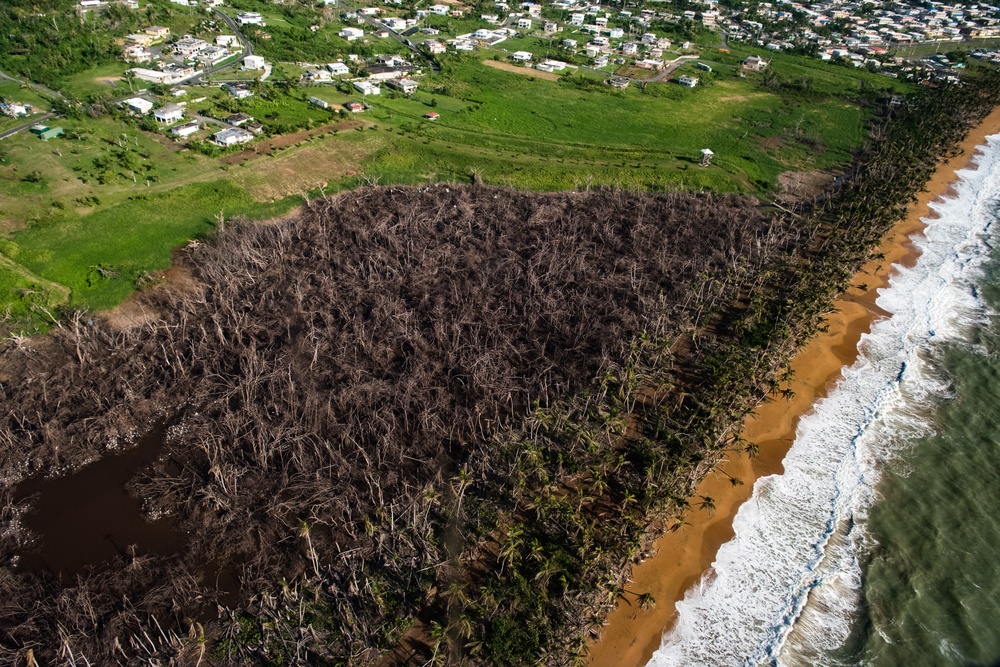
pixel 931 582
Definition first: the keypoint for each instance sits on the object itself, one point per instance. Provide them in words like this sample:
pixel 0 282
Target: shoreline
pixel 631 635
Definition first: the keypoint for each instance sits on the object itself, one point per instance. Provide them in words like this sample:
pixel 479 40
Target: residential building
pixel 322 104
pixel 521 56
pixel 158 32
pixel 755 64
pixel 689 81
pixel 139 105
pixel 405 86
pixel 250 18
pixel 170 113
pixel 253 62
pixel 432 115
pixel 238 119
pixel 367 88
pixel 317 75
pixel 338 69
pixel 231 136
pixel 185 130
pixel 355 107
pixel 237 90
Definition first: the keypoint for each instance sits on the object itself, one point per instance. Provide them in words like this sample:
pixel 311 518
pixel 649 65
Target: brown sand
pixel 631 635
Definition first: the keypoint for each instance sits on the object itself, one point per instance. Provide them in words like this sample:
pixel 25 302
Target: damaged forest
pixel 423 424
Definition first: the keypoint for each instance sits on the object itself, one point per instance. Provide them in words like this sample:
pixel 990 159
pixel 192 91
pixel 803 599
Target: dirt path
pixel 517 69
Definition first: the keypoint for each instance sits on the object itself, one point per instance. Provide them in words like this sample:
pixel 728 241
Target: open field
pixel 518 69
pixel 495 126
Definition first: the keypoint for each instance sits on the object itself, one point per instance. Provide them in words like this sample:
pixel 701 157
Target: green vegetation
pixel 54 45
pixel 511 129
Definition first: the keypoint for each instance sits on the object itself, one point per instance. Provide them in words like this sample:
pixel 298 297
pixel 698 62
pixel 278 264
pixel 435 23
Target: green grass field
pixel 88 215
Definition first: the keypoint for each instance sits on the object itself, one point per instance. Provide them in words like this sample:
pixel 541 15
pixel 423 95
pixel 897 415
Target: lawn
pixel 101 256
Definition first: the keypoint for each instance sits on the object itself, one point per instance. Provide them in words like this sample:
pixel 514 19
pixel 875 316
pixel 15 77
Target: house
pixel 569 43
pixel 188 47
pixel 338 69
pixel 158 32
pixel 351 34
pixel 521 56
pixel 405 86
pixel 524 23
pixel 185 130
pixel 253 62
pixel 231 136
pixel 367 88
pixel 551 66
pixel 168 75
pixel 136 53
pixel 170 113
pixel 630 48
pixel 322 104
pixel 435 47
pixel 619 82
pixel 317 75
pixel 689 81
pixel 650 63
pixel 212 55
pixel 550 27
pixel 139 105
pixel 755 64
pixel 250 18
pixel 226 40
pixel 238 91
pixel 432 115
pixel 601 61
pixel 440 10
pixel 238 119
pixel 355 107
pixel 141 39
pixel 254 127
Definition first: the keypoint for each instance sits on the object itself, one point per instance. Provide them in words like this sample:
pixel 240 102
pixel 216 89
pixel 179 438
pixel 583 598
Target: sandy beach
pixel 632 634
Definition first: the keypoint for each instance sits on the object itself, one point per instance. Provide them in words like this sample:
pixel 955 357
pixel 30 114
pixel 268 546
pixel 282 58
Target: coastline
pixel 631 635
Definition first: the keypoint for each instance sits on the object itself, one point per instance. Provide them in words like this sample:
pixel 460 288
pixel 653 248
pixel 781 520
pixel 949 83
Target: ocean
pixel 878 544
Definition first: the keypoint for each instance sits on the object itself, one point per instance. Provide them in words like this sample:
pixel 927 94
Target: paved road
pixel 24 126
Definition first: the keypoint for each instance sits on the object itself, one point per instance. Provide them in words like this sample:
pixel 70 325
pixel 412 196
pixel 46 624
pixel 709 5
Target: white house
pixel 322 104
pixel 689 81
pixel 521 56
pixel 435 47
pixel 402 84
pixel 253 62
pixel 226 40
pixel 238 91
pixel 250 18
pixel 170 113
pixel 231 136
pixel 338 69
pixel 524 23
pixel 185 130
pixel 317 75
pixel 351 34
pixel 442 10
pixel 367 88
pixel 139 105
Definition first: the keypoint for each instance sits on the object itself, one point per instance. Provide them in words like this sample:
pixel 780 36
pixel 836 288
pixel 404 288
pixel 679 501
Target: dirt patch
pixel 304 170
pixel 517 69
pixel 803 185
pixel 772 142
pixel 286 140
pixel 137 311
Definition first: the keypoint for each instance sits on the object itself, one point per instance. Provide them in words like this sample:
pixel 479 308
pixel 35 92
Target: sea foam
pixel 784 590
